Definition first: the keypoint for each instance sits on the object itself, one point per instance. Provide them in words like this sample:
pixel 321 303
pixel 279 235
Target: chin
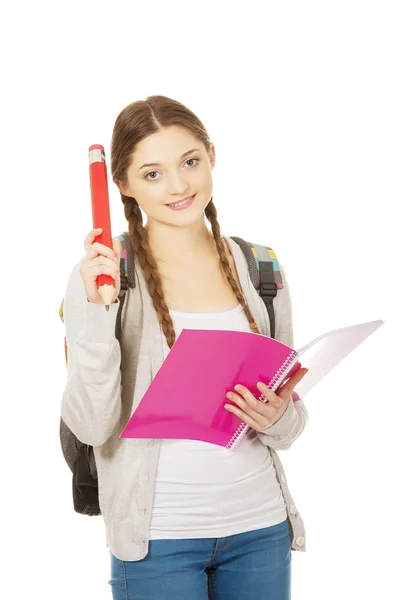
pixel 186 221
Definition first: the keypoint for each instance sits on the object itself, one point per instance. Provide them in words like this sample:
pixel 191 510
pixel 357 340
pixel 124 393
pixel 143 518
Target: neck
pixel 179 244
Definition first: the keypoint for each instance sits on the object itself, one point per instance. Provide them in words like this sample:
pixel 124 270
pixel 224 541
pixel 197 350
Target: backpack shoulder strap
pixel 127 264
pixel 264 273
pixel 128 279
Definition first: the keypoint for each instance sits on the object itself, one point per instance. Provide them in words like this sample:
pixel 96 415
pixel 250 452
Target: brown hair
pixel 134 123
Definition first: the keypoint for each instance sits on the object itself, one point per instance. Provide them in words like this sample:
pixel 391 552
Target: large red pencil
pixel 101 214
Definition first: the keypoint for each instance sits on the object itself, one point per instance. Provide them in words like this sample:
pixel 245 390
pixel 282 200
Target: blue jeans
pixel 255 565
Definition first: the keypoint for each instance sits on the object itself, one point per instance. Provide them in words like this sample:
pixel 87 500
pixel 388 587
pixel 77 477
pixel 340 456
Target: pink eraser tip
pixel 96 147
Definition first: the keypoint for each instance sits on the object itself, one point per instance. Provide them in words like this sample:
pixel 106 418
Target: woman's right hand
pixel 99 260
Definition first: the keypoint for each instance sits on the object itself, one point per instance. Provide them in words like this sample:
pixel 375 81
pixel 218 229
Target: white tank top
pixel 204 490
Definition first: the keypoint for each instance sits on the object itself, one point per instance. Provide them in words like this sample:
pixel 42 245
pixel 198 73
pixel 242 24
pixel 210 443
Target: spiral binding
pixel 273 384
pixel 283 369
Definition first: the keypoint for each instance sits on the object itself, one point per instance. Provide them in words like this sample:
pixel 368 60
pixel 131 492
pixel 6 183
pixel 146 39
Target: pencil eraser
pixel 96 147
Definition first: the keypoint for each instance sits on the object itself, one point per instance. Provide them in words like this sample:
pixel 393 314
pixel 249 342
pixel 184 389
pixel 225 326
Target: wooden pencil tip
pixel 107 308
pixel 107 294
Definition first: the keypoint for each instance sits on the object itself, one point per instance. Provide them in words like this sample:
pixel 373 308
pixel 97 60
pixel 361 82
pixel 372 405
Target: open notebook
pixel 186 397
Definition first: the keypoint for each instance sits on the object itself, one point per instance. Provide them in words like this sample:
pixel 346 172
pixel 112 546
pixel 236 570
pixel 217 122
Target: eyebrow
pixel 159 164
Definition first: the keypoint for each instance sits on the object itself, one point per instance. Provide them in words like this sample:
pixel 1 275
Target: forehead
pixel 165 145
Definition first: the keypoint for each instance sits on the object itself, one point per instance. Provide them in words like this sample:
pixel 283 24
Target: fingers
pixel 255 409
pixel 257 414
pixel 244 416
pixel 95 271
pixel 284 392
pixel 99 260
pixel 110 267
pixel 90 238
pixel 242 403
pixel 272 397
pixel 264 416
pixel 117 248
pixel 94 249
pixel 288 387
pixel 247 395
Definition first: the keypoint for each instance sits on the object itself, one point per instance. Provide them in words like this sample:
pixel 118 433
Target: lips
pixel 180 201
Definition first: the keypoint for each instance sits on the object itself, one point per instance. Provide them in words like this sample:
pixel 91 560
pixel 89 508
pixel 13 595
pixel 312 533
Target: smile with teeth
pixel 182 203
pixel 179 203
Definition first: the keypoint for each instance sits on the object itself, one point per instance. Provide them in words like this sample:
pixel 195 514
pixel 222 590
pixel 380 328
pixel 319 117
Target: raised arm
pixel 91 402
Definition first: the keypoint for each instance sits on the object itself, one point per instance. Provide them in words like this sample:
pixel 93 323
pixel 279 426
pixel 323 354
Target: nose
pixel 177 185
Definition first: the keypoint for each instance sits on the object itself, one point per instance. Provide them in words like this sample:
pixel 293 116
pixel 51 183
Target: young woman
pixel 184 519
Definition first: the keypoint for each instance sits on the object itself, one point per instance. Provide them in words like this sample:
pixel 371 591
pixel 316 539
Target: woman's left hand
pixel 257 414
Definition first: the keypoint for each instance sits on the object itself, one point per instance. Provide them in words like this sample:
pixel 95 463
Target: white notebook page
pixel 325 352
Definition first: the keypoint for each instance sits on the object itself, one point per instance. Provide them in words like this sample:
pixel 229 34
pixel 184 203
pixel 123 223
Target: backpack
pixel 266 278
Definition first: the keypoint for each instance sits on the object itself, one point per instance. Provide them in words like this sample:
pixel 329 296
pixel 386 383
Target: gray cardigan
pixel 106 382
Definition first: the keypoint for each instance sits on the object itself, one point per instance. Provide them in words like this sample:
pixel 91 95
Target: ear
pixel 123 188
pixel 211 155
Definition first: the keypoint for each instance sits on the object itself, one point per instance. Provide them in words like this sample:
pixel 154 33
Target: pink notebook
pixel 186 397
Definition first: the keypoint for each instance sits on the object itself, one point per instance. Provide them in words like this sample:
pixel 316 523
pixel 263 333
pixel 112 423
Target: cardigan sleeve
pixel 91 401
pixel 282 434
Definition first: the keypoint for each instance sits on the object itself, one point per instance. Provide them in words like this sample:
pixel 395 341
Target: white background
pixel 302 102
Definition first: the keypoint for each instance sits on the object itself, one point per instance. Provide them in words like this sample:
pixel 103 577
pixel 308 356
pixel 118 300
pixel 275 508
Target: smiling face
pixel 184 169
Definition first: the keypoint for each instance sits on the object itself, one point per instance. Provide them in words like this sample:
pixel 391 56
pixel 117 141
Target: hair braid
pixel 139 240
pixel 211 214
